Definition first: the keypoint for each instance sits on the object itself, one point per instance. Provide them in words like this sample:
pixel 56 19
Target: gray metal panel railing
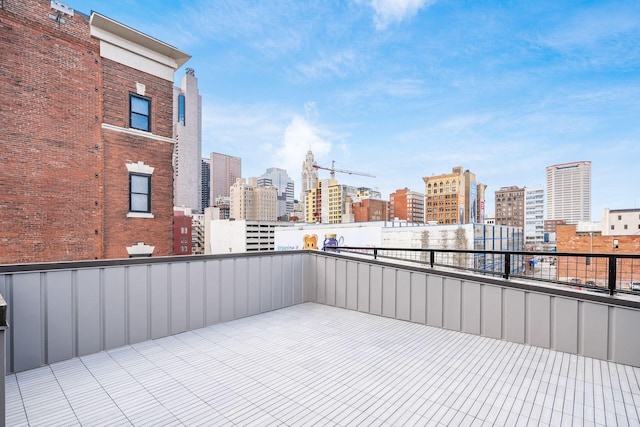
pixel 61 312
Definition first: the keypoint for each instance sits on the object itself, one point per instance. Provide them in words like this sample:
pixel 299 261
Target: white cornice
pixel 122 44
pixel 136 132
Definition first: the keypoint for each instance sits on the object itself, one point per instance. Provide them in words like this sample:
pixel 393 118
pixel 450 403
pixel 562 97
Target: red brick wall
pixel 567 240
pixel 64 189
pixel 181 221
pixel 399 205
pixel 122 148
pixel 370 210
pixel 50 115
pixel 119 81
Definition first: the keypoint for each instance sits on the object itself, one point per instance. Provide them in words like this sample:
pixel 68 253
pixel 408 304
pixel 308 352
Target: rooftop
pixel 312 364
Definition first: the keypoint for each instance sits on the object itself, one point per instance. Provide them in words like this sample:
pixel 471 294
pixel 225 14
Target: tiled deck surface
pixel 318 365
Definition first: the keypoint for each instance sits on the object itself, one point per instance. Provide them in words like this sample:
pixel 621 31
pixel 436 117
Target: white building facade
pixel 534 216
pixel 187 119
pixel 308 182
pixel 621 222
pixel 569 192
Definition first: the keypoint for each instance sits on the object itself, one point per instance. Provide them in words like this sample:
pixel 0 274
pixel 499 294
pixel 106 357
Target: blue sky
pixel 409 88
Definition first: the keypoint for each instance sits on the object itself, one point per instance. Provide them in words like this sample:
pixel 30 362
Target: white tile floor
pixel 311 365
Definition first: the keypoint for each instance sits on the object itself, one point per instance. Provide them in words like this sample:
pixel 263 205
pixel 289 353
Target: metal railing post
pixel 375 253
pixel 432 258
pixel 613 272
pixel 507 265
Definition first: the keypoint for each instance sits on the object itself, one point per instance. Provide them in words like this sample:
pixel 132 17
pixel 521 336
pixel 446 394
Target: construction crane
pixel 333 170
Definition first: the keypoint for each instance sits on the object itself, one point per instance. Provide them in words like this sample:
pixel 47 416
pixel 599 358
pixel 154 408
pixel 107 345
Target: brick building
pixel 509 209
pixel 583 268
pixel 86 165
pixel 406 205
pixel 182 233
pixel 370 210
pixel 454 198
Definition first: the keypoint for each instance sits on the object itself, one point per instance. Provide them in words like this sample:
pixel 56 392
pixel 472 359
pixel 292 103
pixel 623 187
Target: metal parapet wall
pixel 574 322
pixel 66 310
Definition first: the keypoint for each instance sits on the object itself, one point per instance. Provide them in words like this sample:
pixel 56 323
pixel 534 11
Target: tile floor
pixel 315 365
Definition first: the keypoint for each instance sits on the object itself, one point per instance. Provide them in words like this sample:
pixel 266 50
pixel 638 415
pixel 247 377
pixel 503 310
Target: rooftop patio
pixel 306 337
pixel 313 364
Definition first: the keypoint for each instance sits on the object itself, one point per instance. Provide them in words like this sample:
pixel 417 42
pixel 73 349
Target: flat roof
pixel 312 364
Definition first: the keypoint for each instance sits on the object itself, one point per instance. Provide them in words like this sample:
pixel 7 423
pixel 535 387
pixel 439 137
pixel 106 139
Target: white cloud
pixel 299 137
pixel 340 64
pixel 390 11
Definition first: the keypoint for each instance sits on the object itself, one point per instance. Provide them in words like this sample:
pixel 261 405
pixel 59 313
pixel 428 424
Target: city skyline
pixel 405 90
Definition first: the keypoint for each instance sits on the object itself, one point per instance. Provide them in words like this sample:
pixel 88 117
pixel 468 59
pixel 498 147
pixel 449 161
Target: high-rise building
pixel 224 172
pixel 318 202
pixel 510 206
pixel 309 176
pixel 278 178
pixel 205 192
pixel 569 192
pixel 454 198
pixel 534 216
pixel 87 141
pixel 187 152
pixel 252 203
pixel 406 205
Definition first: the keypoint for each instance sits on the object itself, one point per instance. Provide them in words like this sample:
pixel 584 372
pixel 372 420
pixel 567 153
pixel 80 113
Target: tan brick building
pixel 86 164
pixel 510 206
pixel 454 198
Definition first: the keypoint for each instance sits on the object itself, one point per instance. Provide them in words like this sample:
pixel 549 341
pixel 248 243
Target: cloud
pixel 391 11
pixel 299 137
pixel 341 65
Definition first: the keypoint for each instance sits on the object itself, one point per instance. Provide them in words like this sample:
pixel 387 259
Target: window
pixel 613 227
pixel 625 227
pixel 619 217
pixel 181 108
pixel 139 193
pixel 139 112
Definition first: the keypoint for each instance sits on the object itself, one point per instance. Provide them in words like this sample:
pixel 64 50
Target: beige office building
pixel 252 203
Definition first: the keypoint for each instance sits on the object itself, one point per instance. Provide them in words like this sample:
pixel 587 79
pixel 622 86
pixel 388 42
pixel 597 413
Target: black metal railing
pixel 605 273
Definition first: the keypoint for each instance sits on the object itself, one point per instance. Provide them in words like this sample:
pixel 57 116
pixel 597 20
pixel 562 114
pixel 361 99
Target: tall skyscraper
pixel 534 216
pixel 454 198
pixel 187 152
pixel 278 178
pixel 205 184
pixel 224 172
pixel 309 175
pixel 569 192
pixel 510 206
